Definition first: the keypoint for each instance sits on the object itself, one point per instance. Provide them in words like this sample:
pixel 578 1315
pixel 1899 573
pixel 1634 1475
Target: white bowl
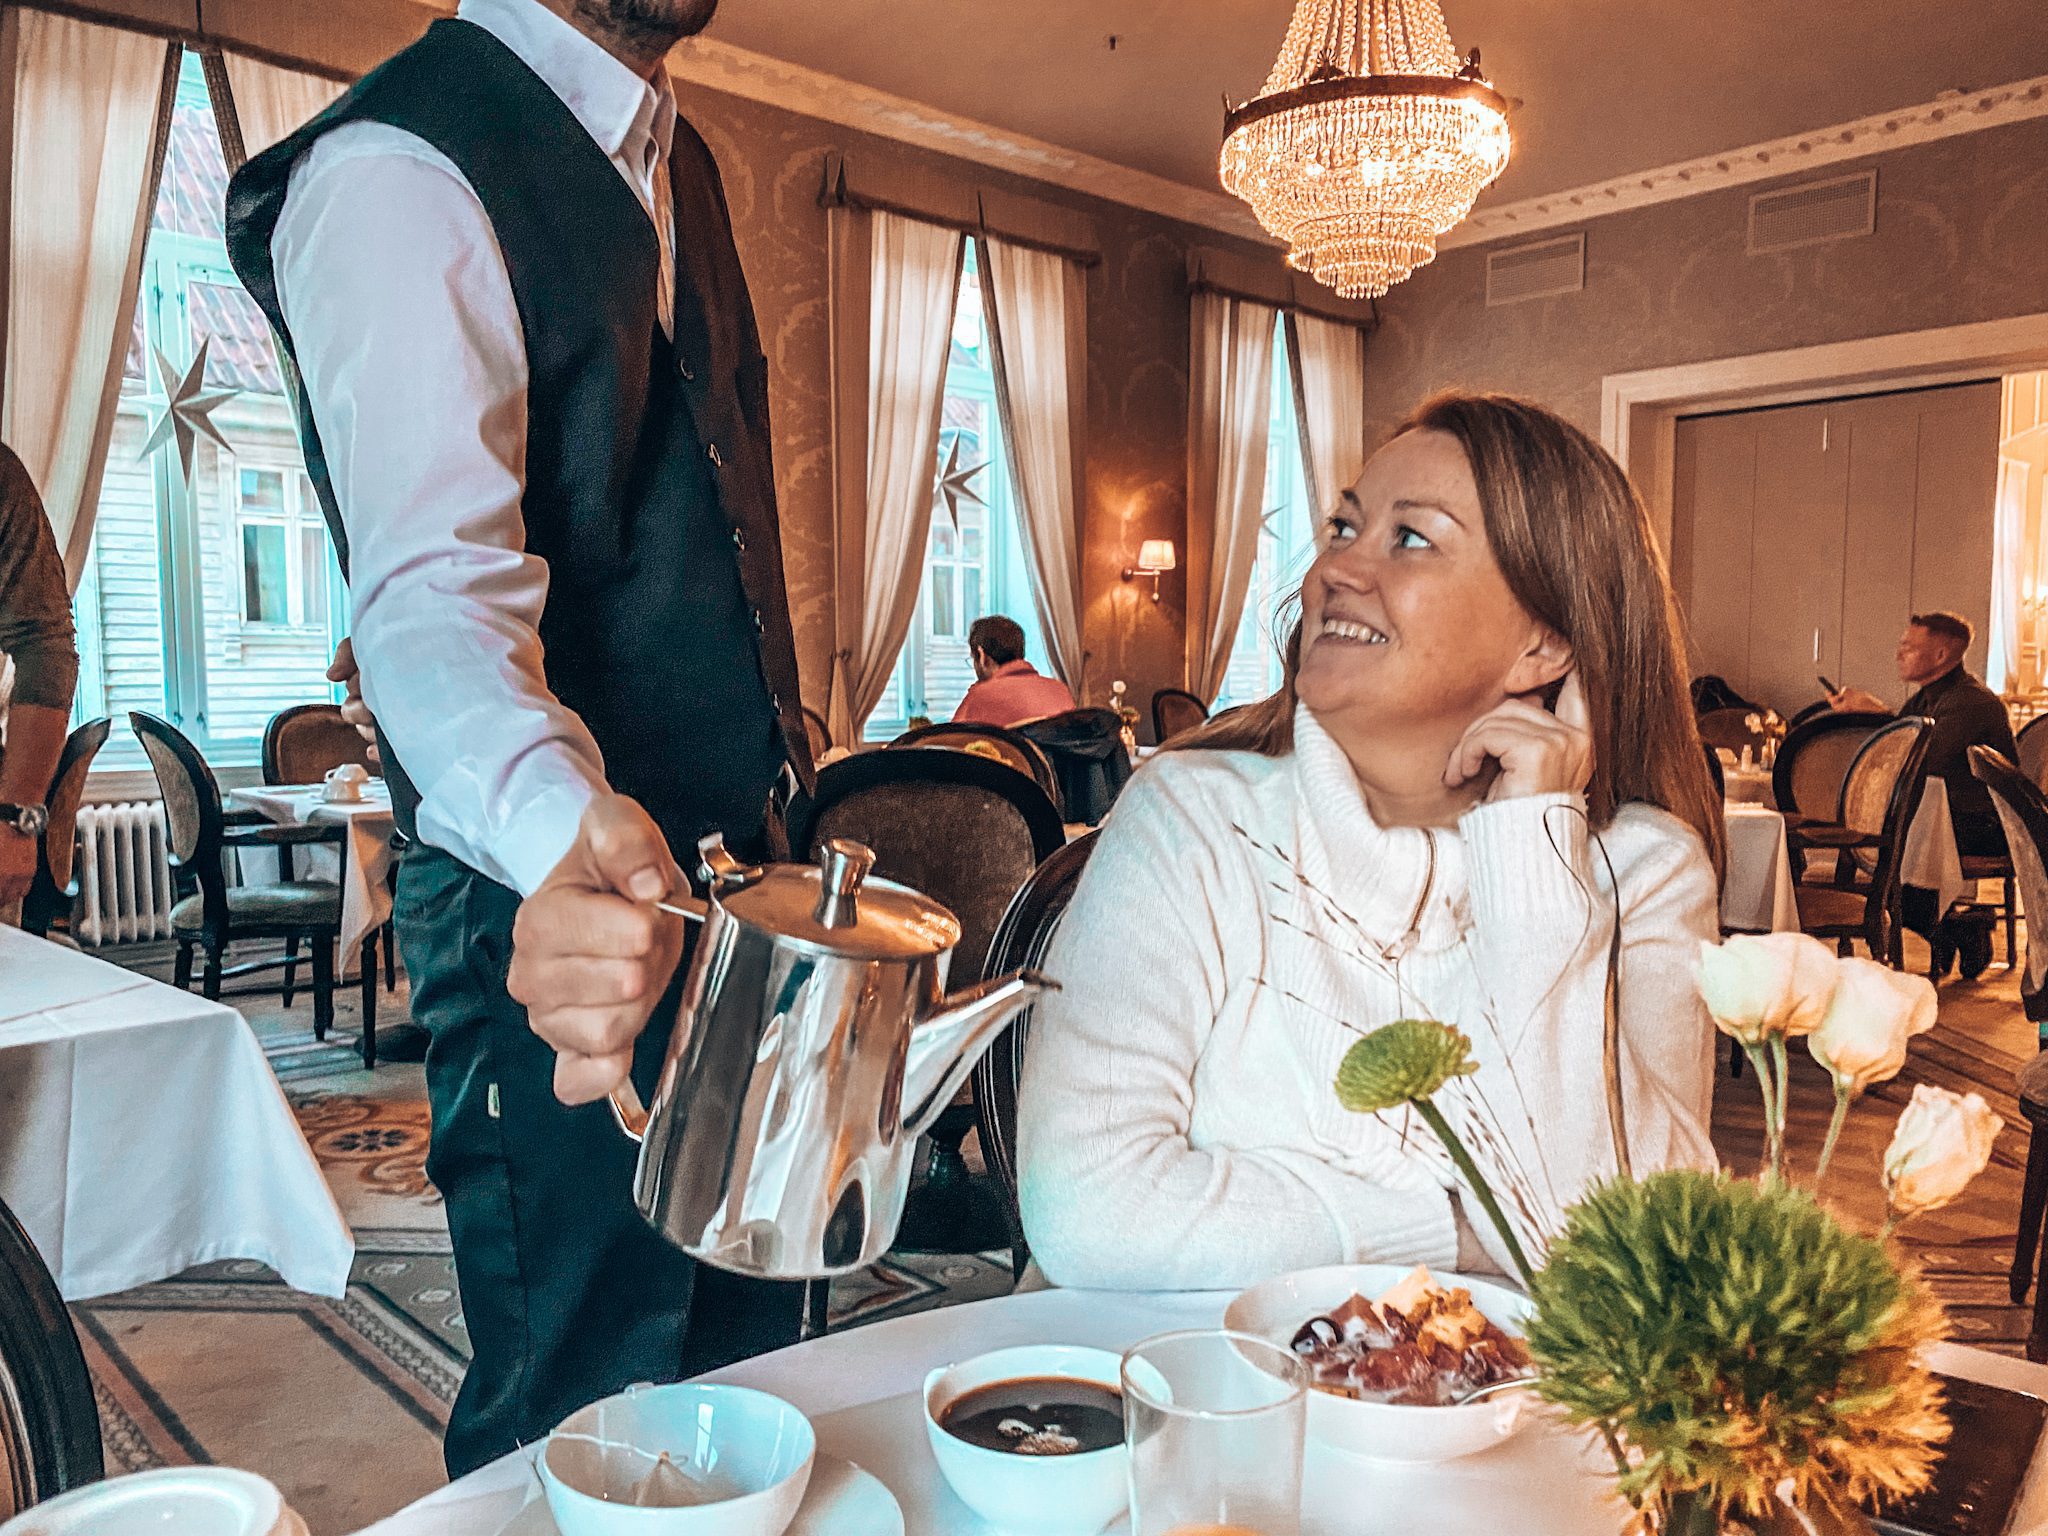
pixel 1387 1431
pixel 752 1452
pixel 1040 1495
pixel 171 1501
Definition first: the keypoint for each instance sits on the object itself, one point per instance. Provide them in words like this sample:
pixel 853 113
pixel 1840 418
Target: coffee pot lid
pixel 835 906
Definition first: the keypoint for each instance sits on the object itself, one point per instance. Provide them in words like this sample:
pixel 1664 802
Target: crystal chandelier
pixel 1369 141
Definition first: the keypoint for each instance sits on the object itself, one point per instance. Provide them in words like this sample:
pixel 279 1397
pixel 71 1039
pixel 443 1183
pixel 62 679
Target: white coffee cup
pixel 344 785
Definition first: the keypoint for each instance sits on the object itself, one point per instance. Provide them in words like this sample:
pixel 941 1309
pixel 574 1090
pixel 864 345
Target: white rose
pixel 1943 1141
pixel 1875 1011
pixel 1757 986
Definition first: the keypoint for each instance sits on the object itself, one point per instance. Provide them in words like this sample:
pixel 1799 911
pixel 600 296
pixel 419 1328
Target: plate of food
pixel 1391 1353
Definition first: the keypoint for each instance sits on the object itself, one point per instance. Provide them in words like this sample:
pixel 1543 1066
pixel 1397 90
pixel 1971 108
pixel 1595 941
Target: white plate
pixel 843 1500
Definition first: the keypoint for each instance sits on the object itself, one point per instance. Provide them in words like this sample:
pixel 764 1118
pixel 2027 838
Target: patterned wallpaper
pixel 1136 476
pixel 1962 235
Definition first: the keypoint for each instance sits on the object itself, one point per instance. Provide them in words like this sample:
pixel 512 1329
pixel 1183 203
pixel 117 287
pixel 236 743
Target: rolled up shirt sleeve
pixel 408 341
pixel 35 604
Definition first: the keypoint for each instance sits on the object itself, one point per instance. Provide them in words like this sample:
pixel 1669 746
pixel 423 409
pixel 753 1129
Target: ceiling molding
pixel 719 66
pixel 1967 112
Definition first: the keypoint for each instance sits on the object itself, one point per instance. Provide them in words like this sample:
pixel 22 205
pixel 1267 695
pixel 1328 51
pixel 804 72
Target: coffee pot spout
pixel 947 1042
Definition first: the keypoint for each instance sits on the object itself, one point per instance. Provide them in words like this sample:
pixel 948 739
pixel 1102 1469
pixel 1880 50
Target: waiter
pixel 534 406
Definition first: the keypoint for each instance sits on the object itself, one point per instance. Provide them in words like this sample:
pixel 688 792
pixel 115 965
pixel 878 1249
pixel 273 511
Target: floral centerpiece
pixel 1768 727
pixel 1751 1361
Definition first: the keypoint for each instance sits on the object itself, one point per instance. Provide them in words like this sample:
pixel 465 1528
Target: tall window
pixel 213 600
pixel 974 555
pixel 1286 545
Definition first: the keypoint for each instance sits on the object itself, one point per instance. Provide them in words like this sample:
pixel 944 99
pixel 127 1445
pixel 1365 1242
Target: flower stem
pixel 1784 1081
pixel 1434 1118
pixel 1767 1087
pixel 1827 1149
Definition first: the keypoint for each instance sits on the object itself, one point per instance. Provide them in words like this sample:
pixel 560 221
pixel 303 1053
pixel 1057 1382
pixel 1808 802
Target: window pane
pixel 262 491
pixel 944 610
pixel 264 595
pixel 313 575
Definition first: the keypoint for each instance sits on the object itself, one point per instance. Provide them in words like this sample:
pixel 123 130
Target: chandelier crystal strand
pixel 1369 141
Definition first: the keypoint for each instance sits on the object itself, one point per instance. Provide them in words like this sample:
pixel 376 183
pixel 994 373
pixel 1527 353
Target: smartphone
pixel 1977 1484
pixel 1832 690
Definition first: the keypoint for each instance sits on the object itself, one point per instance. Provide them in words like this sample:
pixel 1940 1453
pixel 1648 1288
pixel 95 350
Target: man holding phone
pixel 1966 714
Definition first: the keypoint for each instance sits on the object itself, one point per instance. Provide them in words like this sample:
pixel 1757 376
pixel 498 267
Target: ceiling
pixel 1604 87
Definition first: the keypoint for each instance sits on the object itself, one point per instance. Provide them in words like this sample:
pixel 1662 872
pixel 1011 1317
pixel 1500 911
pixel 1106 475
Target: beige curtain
pixel 1038 315
pixel 270 102
pixel 84 120
pixel 894 284
pixel 1329 394
pixel 2008 576
pixel 1230 399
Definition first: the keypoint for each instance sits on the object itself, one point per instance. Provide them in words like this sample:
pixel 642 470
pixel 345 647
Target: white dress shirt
pixel 409 343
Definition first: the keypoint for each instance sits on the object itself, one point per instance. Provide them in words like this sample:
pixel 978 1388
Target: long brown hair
pixel 1572 539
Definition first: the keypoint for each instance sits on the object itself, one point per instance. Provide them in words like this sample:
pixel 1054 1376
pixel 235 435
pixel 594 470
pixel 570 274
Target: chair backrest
pixel 1814 758
pixel 1021 941
pixel 963 829
pixel 2033 744
pixel 819 733
pixel 1868 788
pixel 1897 760
pixel 52 891
pixel 301 745
pixel 1729 728
pixel 1807 712
pixel 998 743
pixel 193 818
pixel 1715 771
pixel 48 1423
pixel 1175 710
pixel 2023 809
pixel 1087 751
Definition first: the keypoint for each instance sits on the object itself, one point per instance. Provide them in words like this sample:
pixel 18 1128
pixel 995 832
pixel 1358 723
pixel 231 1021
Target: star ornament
pixel 953 485
pixel 188 410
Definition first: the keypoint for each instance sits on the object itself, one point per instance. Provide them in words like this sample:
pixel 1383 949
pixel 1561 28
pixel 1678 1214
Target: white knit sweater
pixel 1178 1124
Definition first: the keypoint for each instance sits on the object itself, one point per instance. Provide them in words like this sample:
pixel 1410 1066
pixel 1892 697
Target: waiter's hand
pixel 343 670
pixel 1857 698
pixel 591 955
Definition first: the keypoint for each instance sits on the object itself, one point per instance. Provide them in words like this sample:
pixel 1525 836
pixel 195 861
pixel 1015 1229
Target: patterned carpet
pixel 342 1402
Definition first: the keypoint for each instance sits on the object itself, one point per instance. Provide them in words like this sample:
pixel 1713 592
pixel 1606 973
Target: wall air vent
pixel 1539 271
pixel 1840 208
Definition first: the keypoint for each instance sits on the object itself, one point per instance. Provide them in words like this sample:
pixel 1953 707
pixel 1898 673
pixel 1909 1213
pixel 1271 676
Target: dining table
pixel 1757 895
pixel 863 1391
pixel 142 1132
pixel 361 862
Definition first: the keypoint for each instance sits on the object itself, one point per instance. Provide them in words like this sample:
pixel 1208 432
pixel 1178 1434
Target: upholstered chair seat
pixel 299 904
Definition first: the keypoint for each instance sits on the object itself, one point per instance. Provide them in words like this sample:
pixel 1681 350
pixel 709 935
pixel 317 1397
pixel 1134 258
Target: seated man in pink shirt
pixel 1008 690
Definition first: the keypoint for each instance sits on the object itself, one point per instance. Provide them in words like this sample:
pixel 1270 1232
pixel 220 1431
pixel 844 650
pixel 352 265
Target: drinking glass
pixel 1214 1420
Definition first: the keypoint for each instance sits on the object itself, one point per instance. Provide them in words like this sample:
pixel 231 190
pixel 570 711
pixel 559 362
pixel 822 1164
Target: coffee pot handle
pixel 629 1111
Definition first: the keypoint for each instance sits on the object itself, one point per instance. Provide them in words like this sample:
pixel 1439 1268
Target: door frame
pixel 1639 411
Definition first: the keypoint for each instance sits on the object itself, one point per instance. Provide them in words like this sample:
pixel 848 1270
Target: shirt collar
pixel 1018 668
pixel 616 107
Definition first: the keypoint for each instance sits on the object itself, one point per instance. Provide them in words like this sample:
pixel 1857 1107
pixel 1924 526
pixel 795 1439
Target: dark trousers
pixel 1979 835
pixel 568 1295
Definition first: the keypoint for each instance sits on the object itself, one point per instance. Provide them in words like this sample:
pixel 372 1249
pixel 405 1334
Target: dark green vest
pixel 649 490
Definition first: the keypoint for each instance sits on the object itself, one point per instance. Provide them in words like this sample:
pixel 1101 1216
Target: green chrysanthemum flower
pixel 1405 1062
pixel 1738 1337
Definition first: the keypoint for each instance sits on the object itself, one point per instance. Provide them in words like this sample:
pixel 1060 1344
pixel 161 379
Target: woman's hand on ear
pixel 1540 753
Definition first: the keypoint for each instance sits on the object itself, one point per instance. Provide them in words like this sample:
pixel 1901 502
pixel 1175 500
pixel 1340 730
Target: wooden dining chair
pixel 302 745
pixel 53 889
pixel 1730 728
pixel 1879 797
pixel 992 741
pixel 2033 744
pixel 211 914
pixel 1021 941
pixel 49 1427
pixel 1174 711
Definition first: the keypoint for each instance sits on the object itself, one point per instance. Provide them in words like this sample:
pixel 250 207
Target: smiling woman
pixel 1476 797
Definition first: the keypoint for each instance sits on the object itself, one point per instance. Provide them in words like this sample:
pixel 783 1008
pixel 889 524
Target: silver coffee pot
pixel 815 1045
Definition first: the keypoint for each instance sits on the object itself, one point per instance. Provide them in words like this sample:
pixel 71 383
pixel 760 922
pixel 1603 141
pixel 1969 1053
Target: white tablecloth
pixel 1757 896
pixel 1931 859
pixel 142 1132
pixel 1750 786
pixel 860 1388
pixel 365 888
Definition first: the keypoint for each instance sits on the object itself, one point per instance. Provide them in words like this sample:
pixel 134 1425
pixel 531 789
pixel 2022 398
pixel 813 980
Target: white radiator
pixel 124 874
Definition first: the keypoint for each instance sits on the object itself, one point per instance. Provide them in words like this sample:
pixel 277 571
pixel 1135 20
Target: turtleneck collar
pixel 1379 876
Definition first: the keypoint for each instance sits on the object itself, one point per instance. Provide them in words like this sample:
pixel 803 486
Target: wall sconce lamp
pixel 1155 559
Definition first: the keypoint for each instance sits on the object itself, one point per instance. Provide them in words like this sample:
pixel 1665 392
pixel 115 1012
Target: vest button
pixel 689 374
pixel 717 458
pixel 739 541
pixel 760 625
